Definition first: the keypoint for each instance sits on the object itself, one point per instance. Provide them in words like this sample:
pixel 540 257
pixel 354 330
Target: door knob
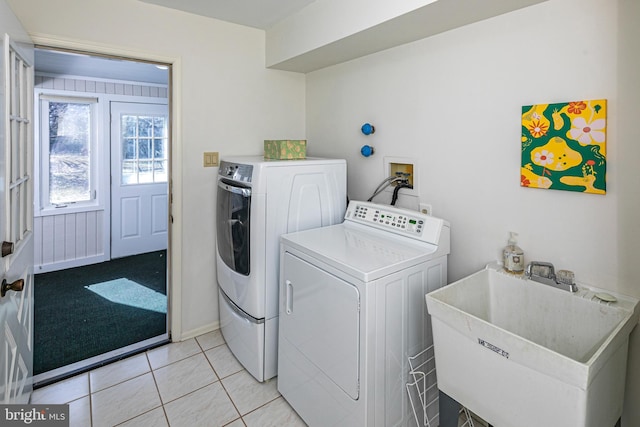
pixel 7 248
pixel 17 286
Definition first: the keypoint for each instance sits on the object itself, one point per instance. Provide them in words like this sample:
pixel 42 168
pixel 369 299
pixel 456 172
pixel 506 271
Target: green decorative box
pixel 285 149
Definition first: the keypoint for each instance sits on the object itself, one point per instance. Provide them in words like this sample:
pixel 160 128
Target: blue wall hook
pixel 367 150
pixel 367 129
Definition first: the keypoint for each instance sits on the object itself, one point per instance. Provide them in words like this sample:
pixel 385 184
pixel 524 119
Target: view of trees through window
pixel 144 153
pixel 69 152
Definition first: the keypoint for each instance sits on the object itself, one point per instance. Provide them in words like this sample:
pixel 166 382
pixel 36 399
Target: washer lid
pixel 362 252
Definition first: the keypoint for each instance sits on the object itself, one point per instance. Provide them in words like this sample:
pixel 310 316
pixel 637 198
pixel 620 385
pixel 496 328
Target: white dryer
pixel 352 311
pixel 257 201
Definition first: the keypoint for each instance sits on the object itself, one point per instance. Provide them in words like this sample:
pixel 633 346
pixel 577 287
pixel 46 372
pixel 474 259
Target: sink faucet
pixel 544 272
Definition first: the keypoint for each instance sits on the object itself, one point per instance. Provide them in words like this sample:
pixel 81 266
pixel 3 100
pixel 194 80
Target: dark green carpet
pixel 72 322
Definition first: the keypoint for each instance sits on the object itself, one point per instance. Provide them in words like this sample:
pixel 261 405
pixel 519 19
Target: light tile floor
pixel 197 382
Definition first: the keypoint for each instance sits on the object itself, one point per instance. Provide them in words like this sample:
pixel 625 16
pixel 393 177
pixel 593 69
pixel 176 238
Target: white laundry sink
pixel 521 353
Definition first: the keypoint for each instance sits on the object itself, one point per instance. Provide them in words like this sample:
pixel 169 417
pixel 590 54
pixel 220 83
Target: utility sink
pixel 520 353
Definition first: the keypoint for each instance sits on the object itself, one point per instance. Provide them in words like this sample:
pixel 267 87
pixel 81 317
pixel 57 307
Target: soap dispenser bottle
pixel 513 256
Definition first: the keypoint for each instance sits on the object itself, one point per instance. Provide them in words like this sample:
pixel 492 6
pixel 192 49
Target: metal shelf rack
pixel 423 391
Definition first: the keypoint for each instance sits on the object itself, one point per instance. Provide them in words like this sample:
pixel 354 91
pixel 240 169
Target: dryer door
pixel 320 318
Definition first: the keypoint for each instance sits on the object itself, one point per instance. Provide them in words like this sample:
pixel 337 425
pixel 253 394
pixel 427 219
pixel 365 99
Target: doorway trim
pixel 174 264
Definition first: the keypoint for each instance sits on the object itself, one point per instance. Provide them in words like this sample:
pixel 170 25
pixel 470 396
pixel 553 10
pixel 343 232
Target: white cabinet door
pixel 16 222
pixel 139 173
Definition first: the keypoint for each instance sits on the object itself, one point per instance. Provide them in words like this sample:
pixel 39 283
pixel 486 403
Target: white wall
pixel 452 103
pixel 11 25
pixel 225 101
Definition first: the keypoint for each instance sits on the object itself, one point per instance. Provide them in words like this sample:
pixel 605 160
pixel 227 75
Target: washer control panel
pixel 400 221
pixel 235 171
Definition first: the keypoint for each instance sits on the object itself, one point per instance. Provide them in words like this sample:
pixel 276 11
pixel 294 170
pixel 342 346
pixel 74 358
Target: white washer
pixel 257 201
pixel 352 310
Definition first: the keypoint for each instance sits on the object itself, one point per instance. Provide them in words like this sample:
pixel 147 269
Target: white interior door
pixel 139 172
pixel 16 223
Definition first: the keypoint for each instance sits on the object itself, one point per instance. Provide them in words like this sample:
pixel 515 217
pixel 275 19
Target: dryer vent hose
pixel 394 199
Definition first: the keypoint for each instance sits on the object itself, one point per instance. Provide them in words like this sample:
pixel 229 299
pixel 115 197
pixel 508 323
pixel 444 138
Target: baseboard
pixel 214 326
pixel 63 265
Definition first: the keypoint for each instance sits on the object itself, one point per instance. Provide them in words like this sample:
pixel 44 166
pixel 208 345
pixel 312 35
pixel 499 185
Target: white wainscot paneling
pixel 69 240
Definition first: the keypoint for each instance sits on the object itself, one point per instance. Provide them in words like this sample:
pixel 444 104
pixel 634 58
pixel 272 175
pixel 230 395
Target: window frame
pixel 136 160
pixel 44 206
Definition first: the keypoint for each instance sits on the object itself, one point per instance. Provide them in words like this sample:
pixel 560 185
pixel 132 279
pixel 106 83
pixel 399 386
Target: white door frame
pixel 174 287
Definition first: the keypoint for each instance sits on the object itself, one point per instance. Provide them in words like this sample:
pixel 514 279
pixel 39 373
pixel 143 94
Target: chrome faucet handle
pixel 568 278
pixel 541 269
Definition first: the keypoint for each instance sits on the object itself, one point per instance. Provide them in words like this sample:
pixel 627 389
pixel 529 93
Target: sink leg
pixel 618 424
pixel 449 409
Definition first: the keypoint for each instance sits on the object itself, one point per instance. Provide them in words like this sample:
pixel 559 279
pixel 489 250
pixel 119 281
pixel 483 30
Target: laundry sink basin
pixel 521 353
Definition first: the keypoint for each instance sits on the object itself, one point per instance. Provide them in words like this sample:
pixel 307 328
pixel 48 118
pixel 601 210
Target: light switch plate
pixel 211 159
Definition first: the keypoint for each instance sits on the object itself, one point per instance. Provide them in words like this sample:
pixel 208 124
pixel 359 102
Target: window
pixel 68 150
pixel 144 149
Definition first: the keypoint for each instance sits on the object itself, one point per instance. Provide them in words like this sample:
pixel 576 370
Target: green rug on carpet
pixel 88 311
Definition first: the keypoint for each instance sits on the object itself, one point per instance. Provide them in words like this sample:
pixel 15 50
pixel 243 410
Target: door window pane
pixel 129 126
pixel 69 152
pixel 17 154
pixel 144 140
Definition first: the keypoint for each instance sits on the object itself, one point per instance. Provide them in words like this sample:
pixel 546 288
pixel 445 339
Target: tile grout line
pixel 121 382
pixel 90 399
pixel 164 410
pixel 163 403
pixel 222 384
pixel 263 405
pixel 210 362
pixel 225 389
pixel 154 383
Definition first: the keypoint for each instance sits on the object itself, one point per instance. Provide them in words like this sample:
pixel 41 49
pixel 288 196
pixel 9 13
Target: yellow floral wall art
pixel 564 146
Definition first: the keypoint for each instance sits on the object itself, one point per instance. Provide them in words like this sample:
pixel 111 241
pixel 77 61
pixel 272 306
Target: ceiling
pixel 65 63
pixel 261 14
pixel 437 17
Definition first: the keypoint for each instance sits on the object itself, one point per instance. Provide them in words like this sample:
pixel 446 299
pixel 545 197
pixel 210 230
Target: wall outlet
pixel 426 209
